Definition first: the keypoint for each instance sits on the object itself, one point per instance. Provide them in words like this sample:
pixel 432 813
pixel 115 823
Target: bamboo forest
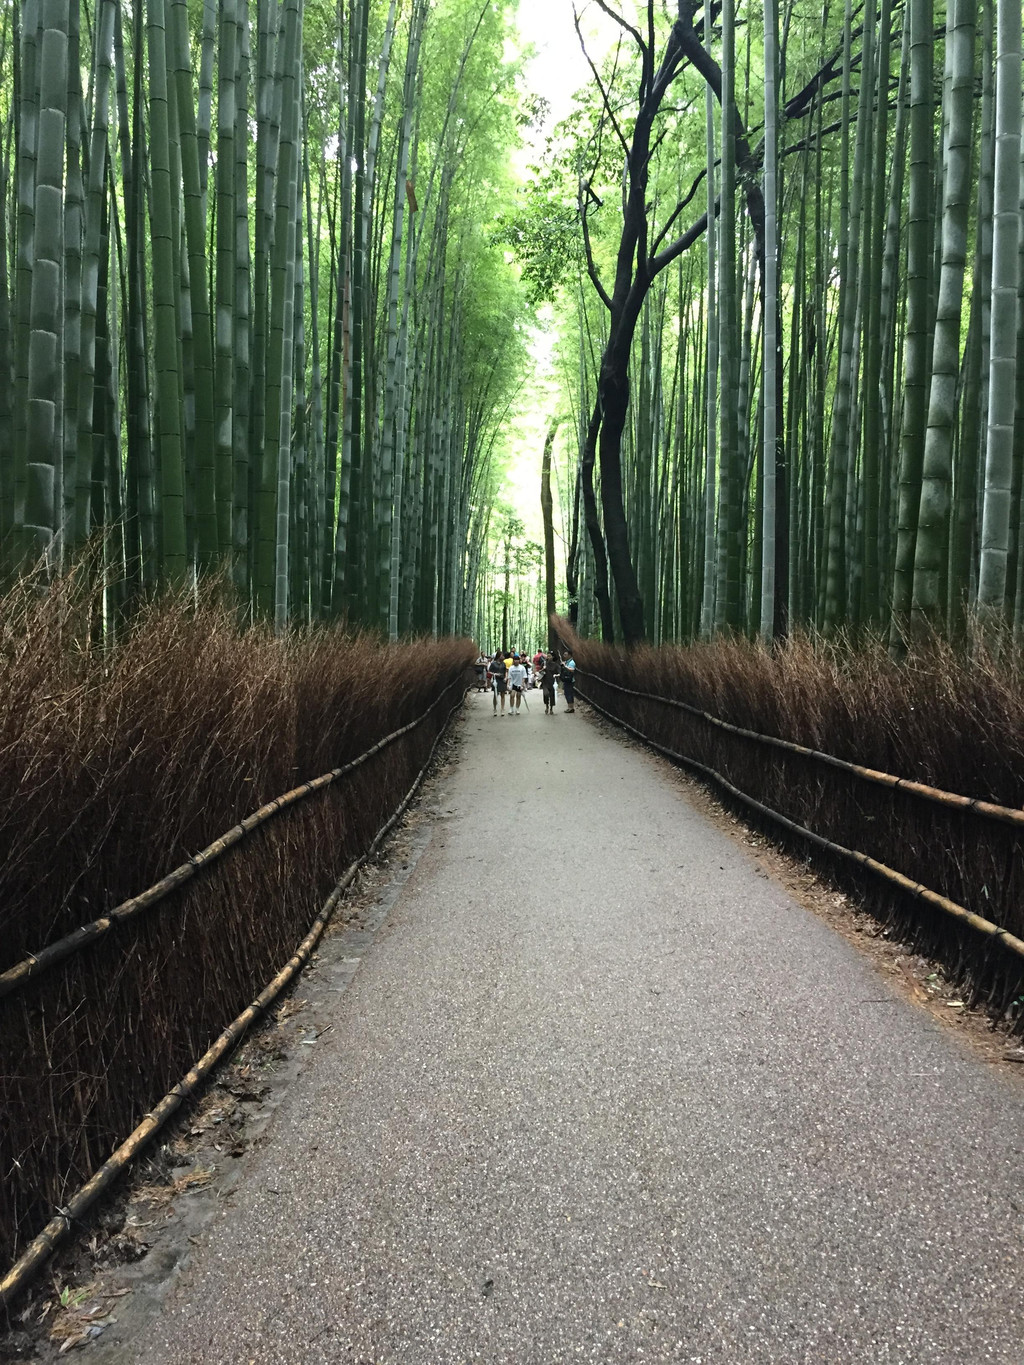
pixel 648 374
pixel 270 275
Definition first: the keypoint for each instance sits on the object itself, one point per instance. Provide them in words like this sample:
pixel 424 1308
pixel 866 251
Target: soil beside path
pixel 599 1091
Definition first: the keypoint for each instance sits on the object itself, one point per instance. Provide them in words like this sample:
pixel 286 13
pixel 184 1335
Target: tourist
pixel 516 684
pixel 547 682
pixel 568 679
pixel 498 675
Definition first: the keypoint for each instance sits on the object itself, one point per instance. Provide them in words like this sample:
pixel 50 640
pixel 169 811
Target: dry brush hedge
pixel 934 718
pixel 114 769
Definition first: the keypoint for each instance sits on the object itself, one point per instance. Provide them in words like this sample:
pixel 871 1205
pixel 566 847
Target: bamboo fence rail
pixel 59 1226
pixel 959 912
pixel 1008 815
pixel 36 963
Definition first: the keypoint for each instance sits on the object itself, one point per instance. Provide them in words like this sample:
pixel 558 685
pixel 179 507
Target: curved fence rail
pixel 59 1226
pixel 988 809
pixel 36 963
pixel 905 884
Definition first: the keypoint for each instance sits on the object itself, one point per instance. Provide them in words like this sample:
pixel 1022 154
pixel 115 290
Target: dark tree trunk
pixel 572 577
pixel 549 533
pixel 780 626
pixel 614 398
pixel 593 521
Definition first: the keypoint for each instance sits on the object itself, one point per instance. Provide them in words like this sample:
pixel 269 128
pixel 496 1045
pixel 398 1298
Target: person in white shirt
pixel 516 684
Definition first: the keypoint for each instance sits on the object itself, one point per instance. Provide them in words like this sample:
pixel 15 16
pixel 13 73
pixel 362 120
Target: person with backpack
pixel 547 682
pixel 497 675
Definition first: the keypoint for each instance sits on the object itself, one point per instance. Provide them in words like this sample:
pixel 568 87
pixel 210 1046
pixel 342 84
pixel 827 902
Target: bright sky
pixel 559 68
pixel 556 72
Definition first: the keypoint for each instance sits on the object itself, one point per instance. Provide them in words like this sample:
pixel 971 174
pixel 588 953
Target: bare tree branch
pixel 677 211
pixel 584 202
pixel 621 23
pixel 683 243
pixel 605 99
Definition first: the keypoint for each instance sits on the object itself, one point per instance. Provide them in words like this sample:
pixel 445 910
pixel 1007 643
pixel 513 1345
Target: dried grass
pixel 115 767
pixel 937 717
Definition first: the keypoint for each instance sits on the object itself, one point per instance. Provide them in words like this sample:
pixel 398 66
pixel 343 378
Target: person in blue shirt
pixel 568 681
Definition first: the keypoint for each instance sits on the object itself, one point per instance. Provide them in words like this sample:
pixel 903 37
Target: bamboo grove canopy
pixel 250 311
pixel 257 307
pixel 795 371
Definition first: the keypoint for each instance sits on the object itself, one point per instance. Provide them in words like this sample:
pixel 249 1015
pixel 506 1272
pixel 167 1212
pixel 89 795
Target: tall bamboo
pixel 993 585
pixel 932 553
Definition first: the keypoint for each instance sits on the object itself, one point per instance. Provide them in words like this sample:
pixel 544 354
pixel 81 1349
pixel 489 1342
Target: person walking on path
pixel 497 673
pixel 516 684
pixel 568 679
pixel 547 682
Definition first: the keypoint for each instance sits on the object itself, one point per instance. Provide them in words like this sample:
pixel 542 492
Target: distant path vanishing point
pixel 600 1092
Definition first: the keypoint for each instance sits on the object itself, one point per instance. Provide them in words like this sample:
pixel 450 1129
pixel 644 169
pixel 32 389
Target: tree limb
pixel 595 279
pixel 677 211
pixel 634 33
pixel 605 98
pixel 683 243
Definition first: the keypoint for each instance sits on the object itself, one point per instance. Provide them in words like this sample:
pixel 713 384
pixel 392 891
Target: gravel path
pixel 599 1091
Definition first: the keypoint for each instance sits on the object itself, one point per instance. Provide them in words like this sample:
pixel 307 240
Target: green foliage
pixel 543 235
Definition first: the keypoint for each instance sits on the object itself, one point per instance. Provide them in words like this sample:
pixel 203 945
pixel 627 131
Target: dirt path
pixel 599 1091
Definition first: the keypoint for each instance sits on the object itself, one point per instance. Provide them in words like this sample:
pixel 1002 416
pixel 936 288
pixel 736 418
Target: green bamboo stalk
pixel 280 352
pixel 389 519
pixel 103 54
pixel 875 464
pixel 321 522
pixel 919 15
pixel 727 591
pixel 889 308
pixel 204 110
pixel 993 587
pixel 242 343
pixel 769 369
pixel 262 488
pixel 74 226
pixel 839 487
pixel 226 273
pixel 359 512
pixel 179 63
pixel 931 559
pixel 708 612
pixel 174 557
pixel 44 418
pixel 26 137
pixel 8 38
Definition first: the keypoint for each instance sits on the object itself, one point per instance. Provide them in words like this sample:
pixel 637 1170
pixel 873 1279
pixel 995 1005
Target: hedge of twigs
pixel 115 767
pixel 935 718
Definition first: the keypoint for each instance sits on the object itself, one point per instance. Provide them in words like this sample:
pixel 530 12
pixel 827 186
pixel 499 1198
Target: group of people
pixel 511 674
